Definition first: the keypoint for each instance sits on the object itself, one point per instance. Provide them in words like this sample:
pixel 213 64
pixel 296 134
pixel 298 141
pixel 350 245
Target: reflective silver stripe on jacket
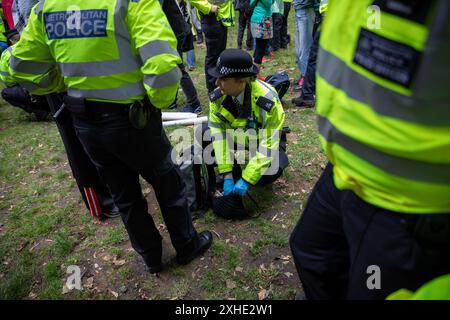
pixel 29 67
pixel 154 48
pixel 271 94
pixel 383 100
pixel 262 116
pixel 163 80
pixel 402 167
pixel 125 92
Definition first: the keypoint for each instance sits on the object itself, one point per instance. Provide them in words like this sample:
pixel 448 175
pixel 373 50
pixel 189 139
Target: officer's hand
pixel 228 185
pixel 241 187
pixel 214 8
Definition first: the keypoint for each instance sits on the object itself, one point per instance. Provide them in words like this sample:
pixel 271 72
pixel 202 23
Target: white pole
pixel 187 122
pixel 178 115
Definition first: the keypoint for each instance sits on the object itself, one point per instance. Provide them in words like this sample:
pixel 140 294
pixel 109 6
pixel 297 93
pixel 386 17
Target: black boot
pixel 152 260
pixel 196 247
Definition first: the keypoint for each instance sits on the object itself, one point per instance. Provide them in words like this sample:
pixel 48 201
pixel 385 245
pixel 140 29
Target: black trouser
pixel 244 23
pixel 121 153
pixel 187 85
pixel 284 27
pixel 216 42
pixel 83 170
pixel 260 50
pixel 309 87
pixel 339 237
pixel 265 179
pixel 277 28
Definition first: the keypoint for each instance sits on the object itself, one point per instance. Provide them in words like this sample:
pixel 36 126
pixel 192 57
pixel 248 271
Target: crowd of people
pixel 107 69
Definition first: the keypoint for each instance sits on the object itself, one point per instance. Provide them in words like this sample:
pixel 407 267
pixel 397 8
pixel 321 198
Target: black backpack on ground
pixel 200 180
pixel 280 81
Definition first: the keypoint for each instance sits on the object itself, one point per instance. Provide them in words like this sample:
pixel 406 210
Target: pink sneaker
pixel 299 84
pixel 301 81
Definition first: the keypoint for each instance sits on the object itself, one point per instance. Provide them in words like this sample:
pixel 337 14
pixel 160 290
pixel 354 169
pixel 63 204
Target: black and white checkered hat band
pixel 225 71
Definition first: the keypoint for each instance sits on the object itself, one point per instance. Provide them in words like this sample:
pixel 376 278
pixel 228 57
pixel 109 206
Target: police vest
pixel 383 101
pixel 5 76
pixel 266 112
pixel 105 50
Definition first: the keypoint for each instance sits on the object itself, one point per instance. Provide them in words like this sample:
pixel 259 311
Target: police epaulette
pixel 216 94
pixel 265 104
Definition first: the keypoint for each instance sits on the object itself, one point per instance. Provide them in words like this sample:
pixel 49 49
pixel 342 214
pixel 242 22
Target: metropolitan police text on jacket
pixel 76 24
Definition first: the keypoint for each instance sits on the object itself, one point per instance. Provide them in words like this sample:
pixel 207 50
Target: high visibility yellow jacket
pixel 5 76
pixel 323 6
pixel 2 25
pixel 105 50
pixel 383 103
pixel 436 289
pixel 225 13
pixel 266 117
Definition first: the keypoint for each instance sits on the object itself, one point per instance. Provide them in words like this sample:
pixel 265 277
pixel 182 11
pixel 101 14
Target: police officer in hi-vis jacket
pixel 118 62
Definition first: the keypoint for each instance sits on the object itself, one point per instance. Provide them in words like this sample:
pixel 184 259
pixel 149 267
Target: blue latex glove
pixel 241 187
pixel 3 46
pixel 228 185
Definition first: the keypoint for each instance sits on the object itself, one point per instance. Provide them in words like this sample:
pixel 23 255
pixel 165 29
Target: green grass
pixel 114 235
pixel 272 234
pixel 218 248
pixel 16 286
pixel 44 226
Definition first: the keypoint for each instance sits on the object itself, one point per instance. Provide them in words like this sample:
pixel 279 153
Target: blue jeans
pixel 304 21
pixel 190 58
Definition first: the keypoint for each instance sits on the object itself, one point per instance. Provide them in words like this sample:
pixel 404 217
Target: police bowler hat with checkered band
pixel 234 63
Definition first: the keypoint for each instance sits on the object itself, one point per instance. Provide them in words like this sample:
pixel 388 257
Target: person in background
pixel 215 18
pixel 285 36
pixel 304 23
pixel 243 6
pixel 307 97
pixel 3 28
pixel 6 8
pixel 190 59
pixel 192 19
pixel 196 25
pixel 178 16
pixel 262 28
pixel 277 18
pixel 21 11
